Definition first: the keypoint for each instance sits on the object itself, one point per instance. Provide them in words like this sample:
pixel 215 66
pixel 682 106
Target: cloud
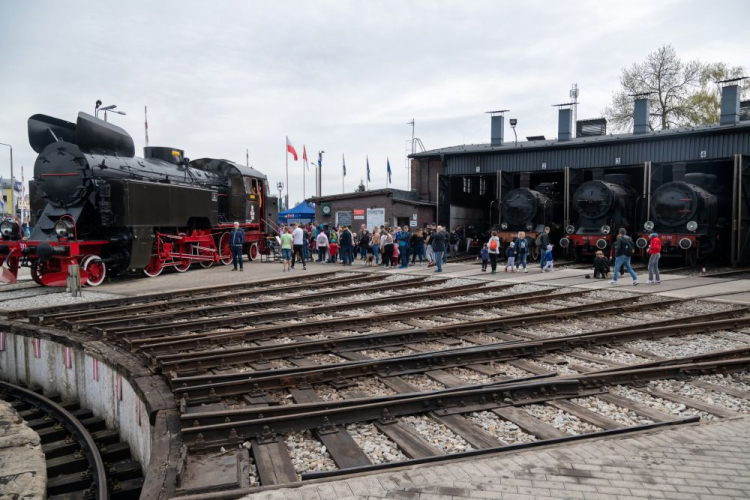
pixel 222 77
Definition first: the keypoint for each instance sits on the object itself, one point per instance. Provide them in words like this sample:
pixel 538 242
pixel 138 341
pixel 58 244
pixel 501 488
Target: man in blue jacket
pixel 236 240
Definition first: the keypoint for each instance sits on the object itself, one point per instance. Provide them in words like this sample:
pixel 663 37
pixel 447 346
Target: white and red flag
pixel 304 157
pixel 118 386
pixel 36 344
pixel 95 369
pixel 68 357
pixel 290 148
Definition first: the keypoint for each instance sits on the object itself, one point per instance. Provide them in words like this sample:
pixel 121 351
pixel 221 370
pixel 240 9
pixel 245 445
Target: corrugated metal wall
pixel 667 150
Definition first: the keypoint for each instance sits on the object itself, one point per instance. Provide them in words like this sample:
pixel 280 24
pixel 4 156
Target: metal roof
pixel 399 195
pixel 683 144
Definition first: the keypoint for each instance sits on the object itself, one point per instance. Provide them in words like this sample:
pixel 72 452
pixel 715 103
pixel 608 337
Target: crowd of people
pixel 431 245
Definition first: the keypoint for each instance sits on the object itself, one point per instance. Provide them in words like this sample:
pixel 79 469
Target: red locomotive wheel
pixel 225 253
pixel 182 265
pixel 154 267
pixel 252 252
pixel 95 270
pixel 36 275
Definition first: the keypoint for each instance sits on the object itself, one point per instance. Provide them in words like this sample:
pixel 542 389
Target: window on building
pixel 482 186
pixel 467 185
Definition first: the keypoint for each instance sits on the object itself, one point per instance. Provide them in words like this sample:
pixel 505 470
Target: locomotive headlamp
pixel 648 226
pixel 570 229
pixel 504 226
pixel 63 228
pixel 605 230
pixel 692 226
pixel 8 228
pixel 529 226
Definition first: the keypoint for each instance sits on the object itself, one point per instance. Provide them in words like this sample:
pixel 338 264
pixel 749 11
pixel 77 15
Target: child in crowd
pixel 549 265
pixel 396 254
pixel 333 250
pixel 485 255
pixel 511 255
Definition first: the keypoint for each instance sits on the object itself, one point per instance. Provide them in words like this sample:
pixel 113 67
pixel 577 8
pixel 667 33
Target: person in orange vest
pixel 654 252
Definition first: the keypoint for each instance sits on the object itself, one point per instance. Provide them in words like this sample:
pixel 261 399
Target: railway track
pixel 84 458
pixel 414 370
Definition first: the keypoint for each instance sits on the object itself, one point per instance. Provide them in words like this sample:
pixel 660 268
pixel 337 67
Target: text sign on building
pixel 359 214
pixel 375 217
pixel 343 218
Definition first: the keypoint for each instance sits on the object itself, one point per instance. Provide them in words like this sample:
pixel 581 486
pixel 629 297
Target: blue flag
pixel 389 170
pixel 368 169
pixel 343 160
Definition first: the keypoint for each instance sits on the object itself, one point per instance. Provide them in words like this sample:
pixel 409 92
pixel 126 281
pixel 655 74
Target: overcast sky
pixel 221 77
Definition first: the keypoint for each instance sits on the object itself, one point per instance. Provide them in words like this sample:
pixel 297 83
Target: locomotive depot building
pixel 469 182
pixel 378 207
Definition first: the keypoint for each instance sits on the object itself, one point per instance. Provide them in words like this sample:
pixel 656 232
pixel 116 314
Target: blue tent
pixel 302 213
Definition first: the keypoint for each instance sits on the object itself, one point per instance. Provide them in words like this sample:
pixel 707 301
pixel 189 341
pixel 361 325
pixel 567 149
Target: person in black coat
pixel 345 241
pixel 236 240
pixel 601 266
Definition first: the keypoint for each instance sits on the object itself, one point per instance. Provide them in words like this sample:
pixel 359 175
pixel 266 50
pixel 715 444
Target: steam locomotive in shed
pixel 529 210
pixel 99 206
pixel 603 206
pixel 687 215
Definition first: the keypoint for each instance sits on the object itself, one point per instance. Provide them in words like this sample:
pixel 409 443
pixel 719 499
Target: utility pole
pixel 247 157
pixel 145 125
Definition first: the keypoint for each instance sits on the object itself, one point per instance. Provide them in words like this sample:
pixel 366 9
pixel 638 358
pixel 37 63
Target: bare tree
pixel 680 93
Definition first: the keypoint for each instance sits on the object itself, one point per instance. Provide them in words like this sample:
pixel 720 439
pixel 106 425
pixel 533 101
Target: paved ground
pixel 699 461
pixel 23 471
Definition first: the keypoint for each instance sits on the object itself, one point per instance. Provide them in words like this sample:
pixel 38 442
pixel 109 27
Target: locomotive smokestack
pixel 640 116
pixel 525 180
pixel 565 124
pixel 730 105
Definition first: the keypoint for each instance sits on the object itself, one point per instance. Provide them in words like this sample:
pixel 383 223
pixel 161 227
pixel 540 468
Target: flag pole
pixel 286 155
pixel 303 180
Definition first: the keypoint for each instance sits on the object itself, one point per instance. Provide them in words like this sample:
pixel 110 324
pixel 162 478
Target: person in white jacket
pixel 321 242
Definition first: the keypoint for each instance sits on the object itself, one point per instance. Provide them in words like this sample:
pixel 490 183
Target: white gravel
pixel 561 369
pixel 52 299
pixel 437 434
pixel 701 394
pixel 509 370
pixel 505 431
pixel 422 382
pixel 689 345
pixel 561 420
pixel 308 454
pixel 668 407
pixel 327 393
pixel 376 445
pixel 326 359
pixel 373 387
pixel 617 413
pixel 470 376
pixel 734 381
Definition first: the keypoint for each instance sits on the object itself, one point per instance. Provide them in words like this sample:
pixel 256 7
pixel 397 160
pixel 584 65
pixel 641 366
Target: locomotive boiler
pixel 603 207
pixel 99 206
pixel 529 210
pixel 686 215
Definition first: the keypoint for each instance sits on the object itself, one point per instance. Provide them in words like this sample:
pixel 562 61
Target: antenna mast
pixel 145 114
pixel 574 98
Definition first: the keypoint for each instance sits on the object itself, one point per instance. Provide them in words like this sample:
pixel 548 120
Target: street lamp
pixel 110 108
pixel 513 123
pixel 280 187
pixel 12 207
pixel 319 177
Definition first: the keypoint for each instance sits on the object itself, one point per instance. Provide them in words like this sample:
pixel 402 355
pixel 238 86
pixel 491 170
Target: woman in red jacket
pixel 654 252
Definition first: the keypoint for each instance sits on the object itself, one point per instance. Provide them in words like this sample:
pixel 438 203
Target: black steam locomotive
pixel 603 206
pixel 529 210
pixel 99 206
pixel 686 215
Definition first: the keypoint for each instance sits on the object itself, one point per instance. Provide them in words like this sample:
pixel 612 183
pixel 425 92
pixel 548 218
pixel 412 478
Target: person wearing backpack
pixel 542 242
pixel 623 252
pixel 493 248
pixel 654 252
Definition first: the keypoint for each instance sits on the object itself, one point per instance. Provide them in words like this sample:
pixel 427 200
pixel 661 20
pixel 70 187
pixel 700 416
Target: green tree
pixel 681 93
pixel 361 188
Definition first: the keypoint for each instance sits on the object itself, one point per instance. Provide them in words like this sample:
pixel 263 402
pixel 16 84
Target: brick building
pixel 376 208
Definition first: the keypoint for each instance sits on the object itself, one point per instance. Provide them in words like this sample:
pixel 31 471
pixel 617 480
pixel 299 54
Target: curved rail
pixel 82 436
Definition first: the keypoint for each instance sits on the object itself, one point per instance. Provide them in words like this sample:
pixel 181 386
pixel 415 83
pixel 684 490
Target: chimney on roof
pixel 497 130
pixel 640 116
pixel 565 124
pixel 730 105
